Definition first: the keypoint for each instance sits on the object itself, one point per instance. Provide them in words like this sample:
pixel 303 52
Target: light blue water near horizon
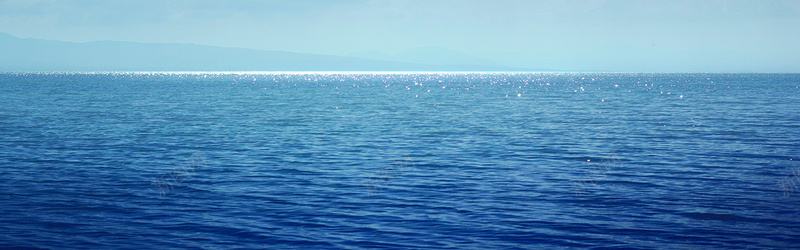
pixel 399 160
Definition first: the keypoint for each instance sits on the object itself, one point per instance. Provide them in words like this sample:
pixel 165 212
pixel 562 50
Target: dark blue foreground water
pixel 455 160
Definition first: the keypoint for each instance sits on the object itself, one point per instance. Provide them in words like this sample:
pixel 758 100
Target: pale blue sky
pixel 651 36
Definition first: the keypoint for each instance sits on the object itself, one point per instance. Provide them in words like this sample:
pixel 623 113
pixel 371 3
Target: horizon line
pixel 297 72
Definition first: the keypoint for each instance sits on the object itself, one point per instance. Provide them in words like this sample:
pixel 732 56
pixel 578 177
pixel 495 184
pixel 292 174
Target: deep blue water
pixel 428 160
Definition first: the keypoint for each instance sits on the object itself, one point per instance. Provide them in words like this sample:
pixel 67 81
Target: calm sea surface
pixel 405 160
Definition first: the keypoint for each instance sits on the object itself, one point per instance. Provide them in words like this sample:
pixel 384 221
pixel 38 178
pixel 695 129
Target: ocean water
pixel 399 160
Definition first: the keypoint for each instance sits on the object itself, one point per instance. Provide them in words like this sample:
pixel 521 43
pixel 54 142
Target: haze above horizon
pixel 627 36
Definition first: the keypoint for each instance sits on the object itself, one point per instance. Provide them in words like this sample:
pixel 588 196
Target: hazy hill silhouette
pixel 25 55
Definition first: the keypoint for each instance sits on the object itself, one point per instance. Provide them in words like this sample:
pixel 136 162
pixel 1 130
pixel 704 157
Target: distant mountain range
pixel 37 55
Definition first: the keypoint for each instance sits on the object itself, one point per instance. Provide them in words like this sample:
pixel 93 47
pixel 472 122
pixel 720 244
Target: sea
pixel 399 160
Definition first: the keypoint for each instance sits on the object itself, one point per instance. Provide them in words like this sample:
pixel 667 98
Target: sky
pixel 612 35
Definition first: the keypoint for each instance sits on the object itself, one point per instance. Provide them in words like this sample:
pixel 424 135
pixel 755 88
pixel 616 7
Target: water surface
pixel 399 160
